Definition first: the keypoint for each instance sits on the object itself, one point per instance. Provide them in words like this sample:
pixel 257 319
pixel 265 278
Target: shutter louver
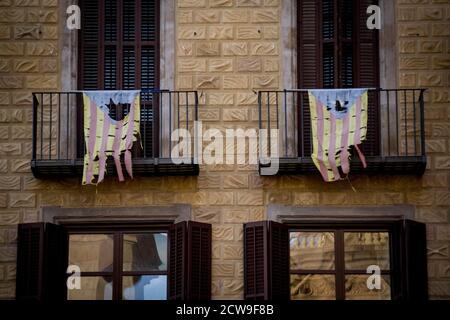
pixel 129 68
pixel 415 269
pixel 111 20
pixel 110 68
pixel 41 262
pixel 149 21
pixel 266 261
pixel 128 20
pixel 189 273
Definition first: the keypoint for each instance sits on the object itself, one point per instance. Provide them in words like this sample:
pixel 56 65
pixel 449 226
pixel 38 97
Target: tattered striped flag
pixel 105 136
pixel 338 121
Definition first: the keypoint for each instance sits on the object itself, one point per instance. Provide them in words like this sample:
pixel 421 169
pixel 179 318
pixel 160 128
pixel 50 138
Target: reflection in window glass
pixel 144 288
pixel 312 250
pixel 363 249
pixel 313 287
pixel 356 288
pixel 145 252
pixel 92 288
pixel 91 252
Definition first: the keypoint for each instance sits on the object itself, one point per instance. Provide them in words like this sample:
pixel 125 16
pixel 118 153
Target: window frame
pixel 117 231
pixel 120 43
pixel 339 228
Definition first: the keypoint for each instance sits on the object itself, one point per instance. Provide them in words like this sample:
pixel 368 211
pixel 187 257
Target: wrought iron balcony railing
pixel 395 141
pixel 58 134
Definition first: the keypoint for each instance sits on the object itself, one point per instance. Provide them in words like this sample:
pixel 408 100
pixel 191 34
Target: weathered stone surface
pixel 41 48
pixel 253 198
pixel 221 32
pixel 32 32
pixel 10 149
pixel 191 65
pixel 221 99
pixel 223 233
pixel 235 181
pixel 26 65
pixel 11 82
pixel 249 65
pixel 208 49
pixel 235 16
pixel 220 65
pixel 235 48
pixel 22 200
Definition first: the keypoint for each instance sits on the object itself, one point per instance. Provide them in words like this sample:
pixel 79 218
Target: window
pixel 332 264
pixel 116 265
pixel 119 50
pixel 314 260
pixel 119 45
pixel 337 50
pixel 118 261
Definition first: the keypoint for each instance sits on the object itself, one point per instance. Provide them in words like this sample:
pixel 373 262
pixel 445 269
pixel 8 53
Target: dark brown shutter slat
pixel 110 68
pixel 266 261
pixel 129 21
pixel 189 276
pixel 41 262
pixel 111 20
pixel 129 68
pixel 149 21
pixel 415 270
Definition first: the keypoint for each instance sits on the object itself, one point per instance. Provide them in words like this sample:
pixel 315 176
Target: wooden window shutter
pixel 119 50
pixel 190 261
pixel 266 261
pixel 367 74
pixel 337 50
pixel 41 262
pixel 309 63
pixel 415 284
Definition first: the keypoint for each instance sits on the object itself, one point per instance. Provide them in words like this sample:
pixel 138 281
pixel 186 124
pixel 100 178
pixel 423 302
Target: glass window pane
pixel 313 287
pixel 312 250
pixel 144 288
pixel 356 288
pixel 92 288
pixel 91 252
pixel 145 252
pixel 363 249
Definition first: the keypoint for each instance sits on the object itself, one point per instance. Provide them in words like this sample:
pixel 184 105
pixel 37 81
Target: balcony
pixel 58 136
pixel 395 142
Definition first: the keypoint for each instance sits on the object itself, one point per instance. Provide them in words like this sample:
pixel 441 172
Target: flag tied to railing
pixel 105 136
pixel 338 121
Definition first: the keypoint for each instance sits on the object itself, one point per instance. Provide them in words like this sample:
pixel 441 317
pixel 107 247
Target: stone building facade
pixel 225 49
